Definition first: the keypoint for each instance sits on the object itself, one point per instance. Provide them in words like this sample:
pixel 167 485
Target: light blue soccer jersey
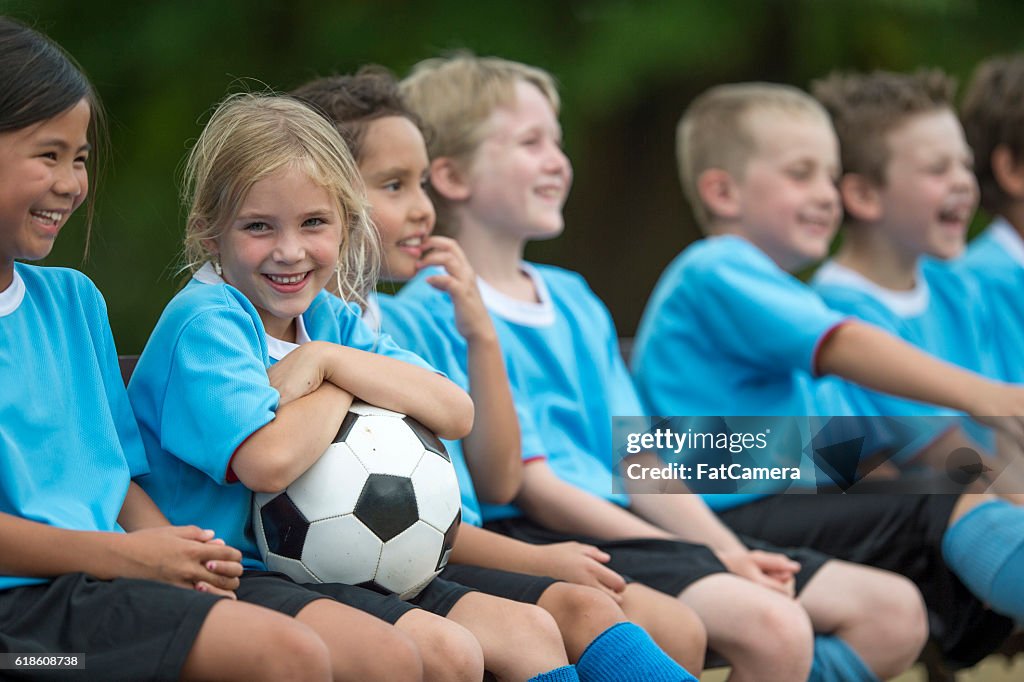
pixel 567 375
pixel 996 261
pixel 944 314
pixel 69 444
pixel 727 332
pixel 394 321
pixel 201 388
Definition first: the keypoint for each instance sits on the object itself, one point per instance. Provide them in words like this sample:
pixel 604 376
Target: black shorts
pixel 279 592
pixel 669 566
pixel 899 533
pixel 519 587
pixel 127 629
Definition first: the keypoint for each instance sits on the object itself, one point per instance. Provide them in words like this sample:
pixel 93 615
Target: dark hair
pixel 40 81
pixel 865 107
pixel 993 115
pixel 352 102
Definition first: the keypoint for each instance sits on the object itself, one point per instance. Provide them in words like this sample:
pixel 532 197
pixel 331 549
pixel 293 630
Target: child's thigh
pixel 844 594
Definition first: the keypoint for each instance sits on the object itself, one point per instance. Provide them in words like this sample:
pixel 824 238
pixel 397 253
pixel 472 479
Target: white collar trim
pixel 1008 238
pixel 526 313
pixel 12 296
pixel 903 303
pixel 276 348
pixel 372 315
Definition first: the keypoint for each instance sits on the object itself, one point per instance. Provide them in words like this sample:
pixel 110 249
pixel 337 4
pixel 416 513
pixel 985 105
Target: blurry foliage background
pixel 627 70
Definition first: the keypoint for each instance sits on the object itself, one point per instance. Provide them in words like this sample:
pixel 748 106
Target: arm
pixel 442 406
pixel 492 447
pixel 275 455
pixel 868 356
pixel 168 554
pixel 139 511
pixel 571 561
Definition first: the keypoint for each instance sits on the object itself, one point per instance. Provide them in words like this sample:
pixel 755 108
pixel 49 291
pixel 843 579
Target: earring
pixel 217 268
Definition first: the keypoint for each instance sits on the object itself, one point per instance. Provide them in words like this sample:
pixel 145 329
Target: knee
pixel 296 652
pixel 574 606
pixel 397 658
pixel 536 624
pixel 780 632
pixel 899 623
pixel 451 652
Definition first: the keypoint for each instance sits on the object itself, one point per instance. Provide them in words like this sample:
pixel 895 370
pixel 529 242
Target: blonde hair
pixel 715 131
pixel 249 137
pixel 455 95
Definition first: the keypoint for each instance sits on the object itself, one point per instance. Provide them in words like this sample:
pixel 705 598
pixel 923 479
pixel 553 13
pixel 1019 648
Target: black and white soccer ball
pixel 380 508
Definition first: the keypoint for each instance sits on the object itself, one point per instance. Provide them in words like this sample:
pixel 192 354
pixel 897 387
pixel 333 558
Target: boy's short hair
pixel 352 102
pixel 714 131
pixel 993 115
pixel 865 107
pixel 454 96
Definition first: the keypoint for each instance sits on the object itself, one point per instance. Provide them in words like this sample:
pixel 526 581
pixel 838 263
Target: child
pixel 387 145
pixel 993 116
pixel 759 163
pixel 277 210
pixel 87 563
pixel 500 179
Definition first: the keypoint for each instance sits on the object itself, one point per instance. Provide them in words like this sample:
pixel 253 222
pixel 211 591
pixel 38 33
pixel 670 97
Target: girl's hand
pixel 298 374
pixel 227 569
pixel 1000 406
pixel 471 317
pixel 186 556
pixel 582 564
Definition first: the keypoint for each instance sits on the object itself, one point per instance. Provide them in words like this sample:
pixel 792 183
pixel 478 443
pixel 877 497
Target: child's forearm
pixel 686 517
pixel 39 550
pixel 274 456
pixel 492 448
pixel 873 358
pixel 442 406
pixel 480 547
pixel 565 508
pixel 139 510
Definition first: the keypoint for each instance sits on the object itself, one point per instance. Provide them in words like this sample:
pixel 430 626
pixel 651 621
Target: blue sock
pixel 567 673
pixel 835 661
pixel 624 653
pixel 985 549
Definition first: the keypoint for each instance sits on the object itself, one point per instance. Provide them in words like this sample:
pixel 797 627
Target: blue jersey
pixel 727 332
pixel 201 388
pixel 996 261
pixel 397 322
pixel 567 375
pixel 69 445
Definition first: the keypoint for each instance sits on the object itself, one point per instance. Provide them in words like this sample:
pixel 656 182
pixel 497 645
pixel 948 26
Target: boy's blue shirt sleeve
pixel 357 334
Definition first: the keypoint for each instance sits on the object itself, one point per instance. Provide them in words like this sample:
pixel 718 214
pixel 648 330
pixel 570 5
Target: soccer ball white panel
pixel 331 486
pixel 437 491
pixel 341 550
pixel 365 409
pixel 407 558
pixel 385 445
pixel 291 568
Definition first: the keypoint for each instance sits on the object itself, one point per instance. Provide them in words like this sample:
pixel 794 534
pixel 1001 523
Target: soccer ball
pixel 379 509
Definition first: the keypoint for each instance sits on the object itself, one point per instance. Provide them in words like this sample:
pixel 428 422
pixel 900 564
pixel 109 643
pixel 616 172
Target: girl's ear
pixel 861 198
pixel 448 179
pixel 719 193
pixel 1008 171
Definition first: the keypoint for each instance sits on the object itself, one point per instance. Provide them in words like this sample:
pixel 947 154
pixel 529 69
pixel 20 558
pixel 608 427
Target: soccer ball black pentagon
pixel 380 508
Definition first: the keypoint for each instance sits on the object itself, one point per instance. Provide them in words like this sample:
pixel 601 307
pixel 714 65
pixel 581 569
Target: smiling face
pixel 930 192
pixel 43 179
pixel 519 177
pixel 281 248
pixel 395 167
pixel 788 202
